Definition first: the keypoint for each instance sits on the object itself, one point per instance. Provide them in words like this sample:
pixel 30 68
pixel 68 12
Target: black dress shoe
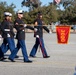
pixel 11 60
pixel 16 56
pixel 2 58
pixel 29 61
pixel 46 57
pixel 32 56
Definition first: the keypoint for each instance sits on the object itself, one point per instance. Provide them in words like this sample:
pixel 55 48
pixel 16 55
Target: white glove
pixel 8 35
pixel 25 25
pixel 0 37
pixel 15 35
pixel 35 29
pixel 37 36
pixel 50 32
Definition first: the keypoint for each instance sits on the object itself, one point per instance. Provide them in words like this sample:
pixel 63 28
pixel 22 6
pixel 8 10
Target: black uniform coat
pixel 0 30
pixel 40 28
pixel 19 25
pixel 7 25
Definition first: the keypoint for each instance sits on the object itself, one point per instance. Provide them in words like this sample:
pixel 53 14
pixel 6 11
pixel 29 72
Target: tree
pixel 67 3
pixel 4 7
pixel 49 14
pixel 69 15
pixel 32 4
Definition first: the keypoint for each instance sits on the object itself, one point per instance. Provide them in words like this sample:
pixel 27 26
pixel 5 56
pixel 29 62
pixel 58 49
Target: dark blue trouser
pixel 1 53
pixel 39 41
pixel 20 44
pixel 11 45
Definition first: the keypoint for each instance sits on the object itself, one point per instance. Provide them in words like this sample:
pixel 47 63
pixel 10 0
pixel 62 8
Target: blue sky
pixel 18 3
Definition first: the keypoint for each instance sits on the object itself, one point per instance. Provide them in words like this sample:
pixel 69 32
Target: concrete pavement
pixel 62 59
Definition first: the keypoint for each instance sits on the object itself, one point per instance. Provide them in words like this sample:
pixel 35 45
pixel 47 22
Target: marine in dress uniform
pixel 39 37
pixel 20 36
pixel 7 34
pixel 1 53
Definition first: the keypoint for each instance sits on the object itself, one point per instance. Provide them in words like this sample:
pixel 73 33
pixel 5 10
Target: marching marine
pixel 38 28
pixel 20 36
pixel 7 34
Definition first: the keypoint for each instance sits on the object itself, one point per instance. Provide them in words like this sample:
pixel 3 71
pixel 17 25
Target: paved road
pixel 62 59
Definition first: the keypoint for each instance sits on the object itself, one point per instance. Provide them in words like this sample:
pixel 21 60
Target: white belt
pixel 6 29
pixel 23 30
